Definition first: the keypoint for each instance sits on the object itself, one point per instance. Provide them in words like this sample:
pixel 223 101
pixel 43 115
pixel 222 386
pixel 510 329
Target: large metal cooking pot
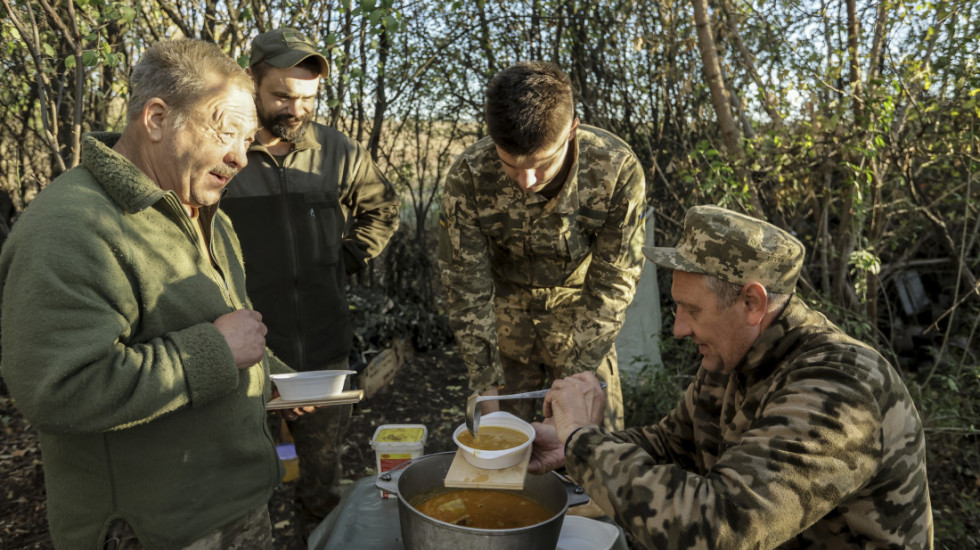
pixel 424 477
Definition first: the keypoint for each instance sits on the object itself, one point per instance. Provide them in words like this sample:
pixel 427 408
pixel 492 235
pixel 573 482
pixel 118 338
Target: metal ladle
pixel 473 410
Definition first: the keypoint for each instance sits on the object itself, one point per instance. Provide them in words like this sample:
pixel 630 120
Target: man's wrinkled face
pixel 286 100
pixel 535 171
pixel 210 147
pixel 722 334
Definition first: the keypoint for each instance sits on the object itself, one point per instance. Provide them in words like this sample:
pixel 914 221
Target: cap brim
pixel 292 58
pixel 669 257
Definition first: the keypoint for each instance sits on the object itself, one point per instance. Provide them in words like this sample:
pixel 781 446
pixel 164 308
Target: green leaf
pixel 90 58
pixel 127 14
pixel 48 49
pixel 70 62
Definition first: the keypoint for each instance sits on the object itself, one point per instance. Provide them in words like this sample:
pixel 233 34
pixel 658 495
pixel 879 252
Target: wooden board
pixel 381 370
pixel 342 398
pixel 463 475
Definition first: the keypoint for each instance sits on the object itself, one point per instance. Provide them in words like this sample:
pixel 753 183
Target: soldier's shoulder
pixel 481 152
pixel 478 161
pixel 328 136
pixel 598 138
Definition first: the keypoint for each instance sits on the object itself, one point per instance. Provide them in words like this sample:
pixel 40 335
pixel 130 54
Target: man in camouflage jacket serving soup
pixel 792 434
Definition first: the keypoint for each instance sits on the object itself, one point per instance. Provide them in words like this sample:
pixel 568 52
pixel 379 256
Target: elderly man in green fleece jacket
pixel 128 340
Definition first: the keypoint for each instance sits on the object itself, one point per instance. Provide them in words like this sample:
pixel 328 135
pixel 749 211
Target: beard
pixel 286 127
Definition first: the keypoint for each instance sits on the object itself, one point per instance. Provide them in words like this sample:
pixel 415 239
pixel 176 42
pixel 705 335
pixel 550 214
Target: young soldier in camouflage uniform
pixel 540 243
pixel 792 435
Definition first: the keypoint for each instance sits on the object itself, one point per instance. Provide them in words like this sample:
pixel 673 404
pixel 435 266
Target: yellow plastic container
pixel 396 444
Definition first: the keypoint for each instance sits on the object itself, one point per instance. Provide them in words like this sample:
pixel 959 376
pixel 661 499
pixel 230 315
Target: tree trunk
pixel 721 100
pixel 380 97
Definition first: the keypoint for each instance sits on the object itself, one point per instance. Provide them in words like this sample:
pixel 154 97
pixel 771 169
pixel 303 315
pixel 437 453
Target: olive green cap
pixel 734 247
pixel 285 48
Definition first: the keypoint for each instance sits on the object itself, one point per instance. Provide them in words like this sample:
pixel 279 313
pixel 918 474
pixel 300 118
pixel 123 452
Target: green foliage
pixel 657 388
pixel 947 402
pixel 652 393
pixel 863 263
pixel 403 304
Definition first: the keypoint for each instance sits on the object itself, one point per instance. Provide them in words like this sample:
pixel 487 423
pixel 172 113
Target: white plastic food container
pixel 396 444
pixel 497 460
pixel 310 385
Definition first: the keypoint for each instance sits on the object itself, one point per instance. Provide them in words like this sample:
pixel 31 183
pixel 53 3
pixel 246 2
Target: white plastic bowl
pixel 581 533
pixel 310 385
pixel 497 460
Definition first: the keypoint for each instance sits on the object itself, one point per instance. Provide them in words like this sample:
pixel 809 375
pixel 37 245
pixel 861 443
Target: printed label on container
pixel 391 460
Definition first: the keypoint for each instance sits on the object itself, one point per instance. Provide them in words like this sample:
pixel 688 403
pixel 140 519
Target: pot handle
pixel 388 481
pixel 576 493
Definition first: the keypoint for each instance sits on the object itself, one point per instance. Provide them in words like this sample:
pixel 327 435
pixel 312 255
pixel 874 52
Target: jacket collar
pixel 128 186
pixel 567 201
pixel 779 337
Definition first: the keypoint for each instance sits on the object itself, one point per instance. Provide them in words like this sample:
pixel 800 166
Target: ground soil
pixel 429 389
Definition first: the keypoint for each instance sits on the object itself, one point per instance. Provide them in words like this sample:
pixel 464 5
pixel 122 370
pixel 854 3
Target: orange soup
pixel 493 438
pixel 484 509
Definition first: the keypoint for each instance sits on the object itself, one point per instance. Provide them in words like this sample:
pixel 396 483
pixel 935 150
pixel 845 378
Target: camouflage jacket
pixel 812 442
pixel 570 263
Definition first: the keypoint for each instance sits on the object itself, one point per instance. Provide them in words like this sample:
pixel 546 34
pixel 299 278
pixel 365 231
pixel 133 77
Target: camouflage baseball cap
pixel 285 48
pixel 735 248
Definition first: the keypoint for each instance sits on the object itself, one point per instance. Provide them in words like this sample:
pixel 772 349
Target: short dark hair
pixel 528 106
pixel 260 69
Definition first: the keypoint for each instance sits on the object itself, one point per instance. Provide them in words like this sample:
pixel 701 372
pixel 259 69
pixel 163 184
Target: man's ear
pixel 756 302
pixel 155 114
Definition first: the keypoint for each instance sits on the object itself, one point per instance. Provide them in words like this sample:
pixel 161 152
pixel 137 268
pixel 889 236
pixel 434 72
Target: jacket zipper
pixel 293 267
pixel 216 274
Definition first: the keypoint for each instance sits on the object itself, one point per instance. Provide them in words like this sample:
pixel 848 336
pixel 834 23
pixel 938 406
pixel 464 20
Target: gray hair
pixel 182 73
pixel 728 292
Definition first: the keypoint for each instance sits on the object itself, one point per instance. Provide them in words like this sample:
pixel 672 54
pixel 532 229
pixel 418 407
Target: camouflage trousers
pixel 528 366
pixel 319 438
pixel 252 531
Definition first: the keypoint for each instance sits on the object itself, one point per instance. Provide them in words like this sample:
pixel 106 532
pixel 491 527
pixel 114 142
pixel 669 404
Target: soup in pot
pixel 493 438
pixel 484 509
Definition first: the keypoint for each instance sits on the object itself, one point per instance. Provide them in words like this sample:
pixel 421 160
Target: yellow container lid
pixel 400 433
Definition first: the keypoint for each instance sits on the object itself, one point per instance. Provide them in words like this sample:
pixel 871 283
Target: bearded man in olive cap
pixel 792 434
pixel 311 209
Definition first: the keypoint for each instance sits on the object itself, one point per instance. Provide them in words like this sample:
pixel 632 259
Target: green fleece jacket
pixel 110 350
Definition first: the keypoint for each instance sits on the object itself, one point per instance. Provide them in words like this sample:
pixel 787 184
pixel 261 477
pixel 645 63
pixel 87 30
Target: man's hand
pixel 547 451
pixel 293 414
pixel 245 334
pixel 574 402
